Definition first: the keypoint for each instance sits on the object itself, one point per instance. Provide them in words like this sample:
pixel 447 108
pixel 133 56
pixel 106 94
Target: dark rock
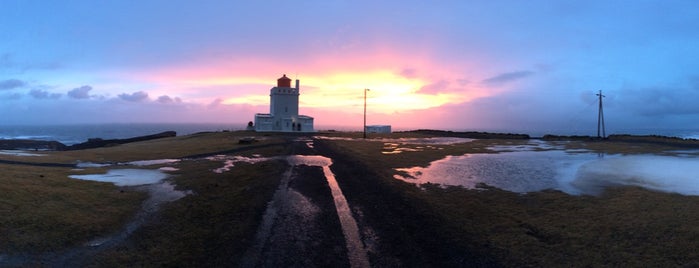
pixel 98 142
pixel 31 145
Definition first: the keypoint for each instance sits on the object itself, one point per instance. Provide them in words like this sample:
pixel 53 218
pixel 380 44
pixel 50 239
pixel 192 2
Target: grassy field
pixel 42 210
pixel 625 226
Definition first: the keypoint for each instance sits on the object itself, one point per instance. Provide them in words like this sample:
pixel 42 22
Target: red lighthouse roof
pixel 284 82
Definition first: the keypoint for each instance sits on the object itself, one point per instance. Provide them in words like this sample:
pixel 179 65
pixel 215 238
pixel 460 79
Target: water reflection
pixel 571 172
pixel 526 171
pixel 125 177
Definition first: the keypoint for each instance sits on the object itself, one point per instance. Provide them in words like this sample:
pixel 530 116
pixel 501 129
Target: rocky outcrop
pixel 31 145
pixel 98 142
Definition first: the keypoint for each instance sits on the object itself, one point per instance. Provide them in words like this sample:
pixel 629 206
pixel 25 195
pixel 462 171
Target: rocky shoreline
pixel 43 145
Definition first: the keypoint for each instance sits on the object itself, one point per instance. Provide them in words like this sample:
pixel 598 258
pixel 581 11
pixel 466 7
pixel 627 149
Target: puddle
pixel 169 169
pixel 81 164
pixel 125 177
pixel 229 161
pixel 662 173
pixel 307 141
pixel 531 145
pixel 19 153
pixel 512 171
pixel 573 173
pixel 152 162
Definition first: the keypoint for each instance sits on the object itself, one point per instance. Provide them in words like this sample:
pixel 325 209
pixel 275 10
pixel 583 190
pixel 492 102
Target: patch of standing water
pixel 531 145
pixel 229 161
pixel 125 177
pixel 152 162
pixel 662 173
pixel 573 173
pixel 19 153
pixel 513 171
pixel 81 164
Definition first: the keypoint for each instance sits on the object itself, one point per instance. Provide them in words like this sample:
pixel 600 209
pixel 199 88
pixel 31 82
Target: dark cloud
pixel 168 99
pixel 658 101
pixel 136 96
pixel 11 84
pixel 507 77
pixel 43 94
pixel 80 92
pixel 434 88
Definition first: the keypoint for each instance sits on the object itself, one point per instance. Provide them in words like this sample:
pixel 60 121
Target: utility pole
pixel 365 90
pixel 600 117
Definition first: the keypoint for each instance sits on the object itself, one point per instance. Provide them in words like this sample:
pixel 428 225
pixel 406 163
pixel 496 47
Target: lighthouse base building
pixel 283 113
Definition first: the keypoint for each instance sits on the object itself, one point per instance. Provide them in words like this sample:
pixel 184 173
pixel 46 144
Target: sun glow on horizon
pixel 388 92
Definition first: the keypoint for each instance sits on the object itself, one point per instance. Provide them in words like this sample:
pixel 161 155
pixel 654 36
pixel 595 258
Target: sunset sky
pixel 525 66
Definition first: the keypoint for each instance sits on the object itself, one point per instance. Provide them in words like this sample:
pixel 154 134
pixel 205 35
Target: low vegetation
pixel 625 226
pixel 211 227
pixel 42 210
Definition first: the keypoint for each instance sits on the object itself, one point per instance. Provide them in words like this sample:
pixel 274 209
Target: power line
pixel 600 117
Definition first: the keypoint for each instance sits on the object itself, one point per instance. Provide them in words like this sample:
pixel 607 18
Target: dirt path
pixel 308 223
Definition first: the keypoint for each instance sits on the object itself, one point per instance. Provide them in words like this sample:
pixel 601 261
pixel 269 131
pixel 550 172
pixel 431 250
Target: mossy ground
pixel 41 209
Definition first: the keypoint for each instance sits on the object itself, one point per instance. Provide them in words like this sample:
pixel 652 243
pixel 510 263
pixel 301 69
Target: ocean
pixel 77 133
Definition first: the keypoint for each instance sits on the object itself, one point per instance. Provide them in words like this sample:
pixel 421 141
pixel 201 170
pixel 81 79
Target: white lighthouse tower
pixel 283 113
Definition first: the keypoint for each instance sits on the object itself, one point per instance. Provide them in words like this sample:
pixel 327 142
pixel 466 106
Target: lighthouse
pixel 283 113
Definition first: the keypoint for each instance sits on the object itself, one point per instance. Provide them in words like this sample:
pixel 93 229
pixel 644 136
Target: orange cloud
pixel 397 81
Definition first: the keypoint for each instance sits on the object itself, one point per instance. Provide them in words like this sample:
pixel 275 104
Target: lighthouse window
pixel 286 109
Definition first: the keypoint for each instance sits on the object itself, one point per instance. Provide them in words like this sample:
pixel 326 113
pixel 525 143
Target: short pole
pixel 365 90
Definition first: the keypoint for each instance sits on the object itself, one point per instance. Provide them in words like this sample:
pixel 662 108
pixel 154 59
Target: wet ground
pixel 308 223
pixel 540 165
pixel 331 210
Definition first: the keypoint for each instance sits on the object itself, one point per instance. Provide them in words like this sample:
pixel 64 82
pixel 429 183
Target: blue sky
pixel 532 66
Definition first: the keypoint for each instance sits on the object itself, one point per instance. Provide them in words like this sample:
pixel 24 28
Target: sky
pixel 519 66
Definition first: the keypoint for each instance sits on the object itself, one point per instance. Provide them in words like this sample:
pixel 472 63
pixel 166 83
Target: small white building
pixel 378 129
pixel 283 113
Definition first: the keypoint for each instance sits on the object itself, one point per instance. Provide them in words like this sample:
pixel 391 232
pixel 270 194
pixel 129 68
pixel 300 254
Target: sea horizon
pixel 76 133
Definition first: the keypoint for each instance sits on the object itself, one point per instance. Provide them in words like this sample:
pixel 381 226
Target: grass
pixel 212 227
pixel 625 226
pixel 175 147
pixel 41 209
